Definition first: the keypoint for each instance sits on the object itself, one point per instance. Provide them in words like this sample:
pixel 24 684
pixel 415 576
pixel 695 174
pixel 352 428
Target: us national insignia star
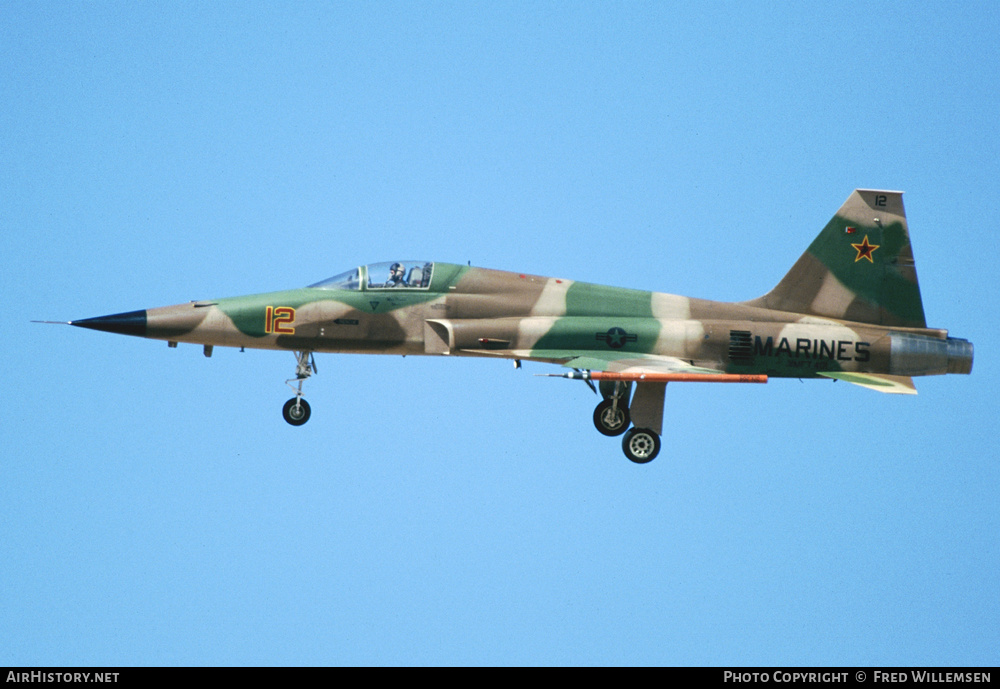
pixel 616 338
pixel 865 250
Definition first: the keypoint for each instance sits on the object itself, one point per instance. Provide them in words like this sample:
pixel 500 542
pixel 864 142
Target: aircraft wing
pixel 650 373
pixel 637 363
pixel 638 368
pixel 659 368
pixel 614 362
pixel 657 365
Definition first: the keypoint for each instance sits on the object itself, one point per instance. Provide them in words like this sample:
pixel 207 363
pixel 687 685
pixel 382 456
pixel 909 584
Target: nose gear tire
pixel 296 411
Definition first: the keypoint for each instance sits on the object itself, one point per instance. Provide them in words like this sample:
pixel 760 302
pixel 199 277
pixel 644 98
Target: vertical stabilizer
pixel 860 267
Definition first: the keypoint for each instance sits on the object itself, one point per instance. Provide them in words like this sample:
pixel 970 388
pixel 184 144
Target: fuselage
pixel 463 311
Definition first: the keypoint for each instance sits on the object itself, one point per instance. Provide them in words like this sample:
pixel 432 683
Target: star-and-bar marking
pixel 865 250
pixel 616 337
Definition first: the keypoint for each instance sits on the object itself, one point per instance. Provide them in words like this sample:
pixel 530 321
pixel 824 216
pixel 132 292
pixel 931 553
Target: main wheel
pixel 611 421
pixel 296 411
pixel 641 445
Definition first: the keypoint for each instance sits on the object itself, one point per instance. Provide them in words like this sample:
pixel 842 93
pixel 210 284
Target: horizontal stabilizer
pixel 896 385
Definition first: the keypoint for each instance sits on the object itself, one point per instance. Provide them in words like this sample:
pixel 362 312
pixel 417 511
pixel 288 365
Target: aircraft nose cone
pixel 130 323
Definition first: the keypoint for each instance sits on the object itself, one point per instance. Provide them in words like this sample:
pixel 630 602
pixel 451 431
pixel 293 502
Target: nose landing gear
pixel 296 410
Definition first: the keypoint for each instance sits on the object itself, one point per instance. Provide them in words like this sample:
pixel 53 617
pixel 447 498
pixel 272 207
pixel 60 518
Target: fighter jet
pixel 849 309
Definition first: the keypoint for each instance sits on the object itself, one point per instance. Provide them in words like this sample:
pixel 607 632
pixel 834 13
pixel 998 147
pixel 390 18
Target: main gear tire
pixel 641 445
pixel 611 421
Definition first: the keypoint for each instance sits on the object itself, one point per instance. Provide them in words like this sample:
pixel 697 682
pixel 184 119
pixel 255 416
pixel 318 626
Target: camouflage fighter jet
pixel 849 309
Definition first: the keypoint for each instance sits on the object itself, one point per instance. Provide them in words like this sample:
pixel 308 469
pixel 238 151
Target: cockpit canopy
pixel 387 275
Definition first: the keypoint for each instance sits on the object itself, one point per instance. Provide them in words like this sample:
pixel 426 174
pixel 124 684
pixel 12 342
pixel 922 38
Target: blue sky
pixel 157 510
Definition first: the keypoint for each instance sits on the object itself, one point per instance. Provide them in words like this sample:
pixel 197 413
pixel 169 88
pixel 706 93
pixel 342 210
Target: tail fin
pixel 860 267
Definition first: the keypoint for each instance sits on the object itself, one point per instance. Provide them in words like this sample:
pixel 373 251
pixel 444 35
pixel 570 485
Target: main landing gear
pixel 612 417
pixel 296 410
pixel 641 445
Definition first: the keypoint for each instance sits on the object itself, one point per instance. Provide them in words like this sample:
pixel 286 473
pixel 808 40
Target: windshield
pixel 347 280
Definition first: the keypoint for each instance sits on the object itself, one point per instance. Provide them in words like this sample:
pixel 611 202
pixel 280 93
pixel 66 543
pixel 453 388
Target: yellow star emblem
pixel 865 250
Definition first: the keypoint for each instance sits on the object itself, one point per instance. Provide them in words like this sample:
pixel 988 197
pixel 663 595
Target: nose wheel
pixel 296 410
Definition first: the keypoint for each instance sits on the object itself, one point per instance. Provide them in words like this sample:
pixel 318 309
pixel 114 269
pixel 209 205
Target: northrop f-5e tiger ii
pixel 849 309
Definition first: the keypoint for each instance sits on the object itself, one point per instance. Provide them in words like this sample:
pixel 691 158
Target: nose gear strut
pixel 296 410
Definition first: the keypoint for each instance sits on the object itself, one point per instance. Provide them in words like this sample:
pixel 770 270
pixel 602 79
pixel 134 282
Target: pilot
pixel 396 273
